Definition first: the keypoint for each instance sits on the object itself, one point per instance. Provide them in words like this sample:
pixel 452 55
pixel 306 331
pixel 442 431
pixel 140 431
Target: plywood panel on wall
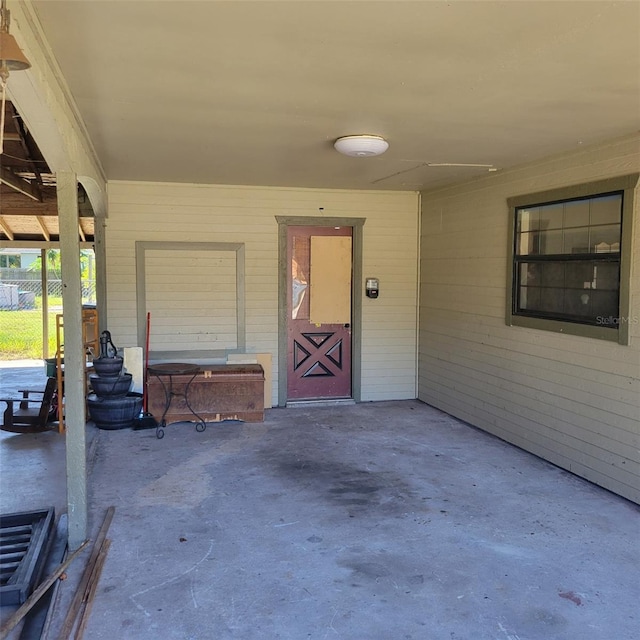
pixel 330 280
pixel 571 400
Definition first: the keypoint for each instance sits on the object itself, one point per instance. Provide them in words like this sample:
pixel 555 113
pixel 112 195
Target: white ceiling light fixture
pixel 361 146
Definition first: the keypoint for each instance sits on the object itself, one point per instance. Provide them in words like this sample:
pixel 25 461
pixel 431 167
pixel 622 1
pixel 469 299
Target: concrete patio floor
pixel 379 521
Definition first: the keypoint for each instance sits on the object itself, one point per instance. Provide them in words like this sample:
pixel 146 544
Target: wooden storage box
pixel 218 392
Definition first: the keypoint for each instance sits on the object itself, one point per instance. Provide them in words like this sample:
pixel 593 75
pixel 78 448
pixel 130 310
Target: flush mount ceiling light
pixel 362 146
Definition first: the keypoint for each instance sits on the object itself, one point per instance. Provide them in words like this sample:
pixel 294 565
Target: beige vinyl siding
pixel 572 400
pixel 203 286
pixel 160 212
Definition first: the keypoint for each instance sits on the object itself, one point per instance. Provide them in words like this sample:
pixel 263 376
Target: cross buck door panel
pixel 319 269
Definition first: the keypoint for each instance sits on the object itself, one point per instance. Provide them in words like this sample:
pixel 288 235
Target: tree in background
pixel 54 270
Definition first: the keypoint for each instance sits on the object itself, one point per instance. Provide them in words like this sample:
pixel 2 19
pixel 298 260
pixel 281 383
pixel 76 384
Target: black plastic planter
pixel 111 386
pixel 115 413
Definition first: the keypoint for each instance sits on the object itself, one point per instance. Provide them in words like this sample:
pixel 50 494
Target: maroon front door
pixel 319 263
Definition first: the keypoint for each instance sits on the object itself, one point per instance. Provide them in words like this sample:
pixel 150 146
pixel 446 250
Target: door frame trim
pixel 357 225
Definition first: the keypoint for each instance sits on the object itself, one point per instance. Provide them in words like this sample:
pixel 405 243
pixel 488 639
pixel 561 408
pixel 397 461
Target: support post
pixel 44 282
pixel 74 358
pixel 99 249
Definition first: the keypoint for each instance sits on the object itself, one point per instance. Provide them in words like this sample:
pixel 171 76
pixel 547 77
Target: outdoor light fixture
pixel 362 146
pixel 11 59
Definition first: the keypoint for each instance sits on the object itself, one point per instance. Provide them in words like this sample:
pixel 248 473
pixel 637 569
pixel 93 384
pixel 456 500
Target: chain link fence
pixel 21 311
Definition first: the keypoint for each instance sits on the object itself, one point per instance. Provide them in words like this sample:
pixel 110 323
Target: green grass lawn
pixel 21 334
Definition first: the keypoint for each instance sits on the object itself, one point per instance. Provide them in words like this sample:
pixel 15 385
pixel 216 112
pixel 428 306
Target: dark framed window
pixel 569 259
pixel 9 261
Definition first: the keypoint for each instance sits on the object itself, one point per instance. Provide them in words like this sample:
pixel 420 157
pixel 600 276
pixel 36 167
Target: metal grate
pixel 24 539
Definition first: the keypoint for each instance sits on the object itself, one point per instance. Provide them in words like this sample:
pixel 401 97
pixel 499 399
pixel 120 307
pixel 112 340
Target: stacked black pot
pixel 112 405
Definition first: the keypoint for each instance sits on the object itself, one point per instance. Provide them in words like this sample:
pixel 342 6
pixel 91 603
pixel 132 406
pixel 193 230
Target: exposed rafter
pixel 27 143
pixel 26 188
pixel 43 227
pixel 6 229
pixel 28 197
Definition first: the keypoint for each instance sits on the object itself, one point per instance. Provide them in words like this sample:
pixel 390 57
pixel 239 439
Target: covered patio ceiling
pixel 28 201
pixel 256 93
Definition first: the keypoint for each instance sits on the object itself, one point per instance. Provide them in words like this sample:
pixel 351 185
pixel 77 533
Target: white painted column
pixel 74 358
pixel 99 247
pixel 44 283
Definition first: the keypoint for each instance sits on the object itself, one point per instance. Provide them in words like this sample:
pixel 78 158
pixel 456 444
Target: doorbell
pixel 372 287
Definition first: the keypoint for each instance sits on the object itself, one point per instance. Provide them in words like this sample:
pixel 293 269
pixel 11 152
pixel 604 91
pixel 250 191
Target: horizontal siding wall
pixel 155 212
pixel 571 400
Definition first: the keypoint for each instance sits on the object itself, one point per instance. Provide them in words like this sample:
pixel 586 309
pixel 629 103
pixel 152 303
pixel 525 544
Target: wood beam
pixel 5 228
pixel 24 187
pixel 83 238
pixel 46 211
pixel 15 204
pixel 26 147
pixel 45 231
pixel 13 199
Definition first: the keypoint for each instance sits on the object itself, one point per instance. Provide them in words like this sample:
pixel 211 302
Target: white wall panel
pixel 192 298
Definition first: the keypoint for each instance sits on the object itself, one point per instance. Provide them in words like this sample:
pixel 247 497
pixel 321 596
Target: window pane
pixel 551 216
pixel 577 303
pixel 579 291
pixel 529 299
pixel 604 304
pixel 530 274
pixel 527 244
pixel 299 277
pixel 606 209
pixel 552 274
pixel 552 300
pixel 576 240
pixel 527 220
pixel 605 239
pixel 579 275
pixel 606 276
pixel 576 214
pixel 550 242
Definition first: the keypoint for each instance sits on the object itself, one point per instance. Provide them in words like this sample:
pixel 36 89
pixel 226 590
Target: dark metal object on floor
pixel 168 370
pixel 23 545
pixel 145 421
pixel 38 620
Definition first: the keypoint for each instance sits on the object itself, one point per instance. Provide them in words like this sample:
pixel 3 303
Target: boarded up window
pixel 192 295
pixel 330 280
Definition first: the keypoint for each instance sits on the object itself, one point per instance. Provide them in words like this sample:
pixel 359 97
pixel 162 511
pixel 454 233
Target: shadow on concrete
pixel 376 521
